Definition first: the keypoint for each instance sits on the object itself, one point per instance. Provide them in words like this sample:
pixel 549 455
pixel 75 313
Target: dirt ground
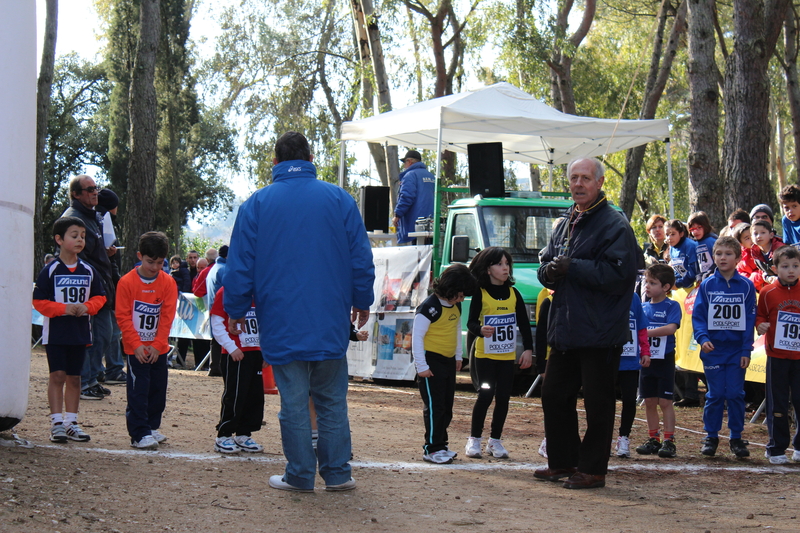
pixel 106 486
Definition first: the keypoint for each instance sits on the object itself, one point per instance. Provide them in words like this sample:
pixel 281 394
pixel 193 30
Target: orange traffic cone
pixel 269 380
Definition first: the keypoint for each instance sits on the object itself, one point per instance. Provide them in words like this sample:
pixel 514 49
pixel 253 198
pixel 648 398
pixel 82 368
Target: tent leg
pixel 437 202
pixel 669 180
pixel 341 162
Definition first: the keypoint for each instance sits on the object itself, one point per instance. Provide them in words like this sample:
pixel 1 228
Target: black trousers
pixel 628 385
pixel 496 380
pixel 594 369
pixel 438 392
pixel 243 397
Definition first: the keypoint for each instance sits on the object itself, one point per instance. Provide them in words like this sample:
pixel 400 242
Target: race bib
pixel 632 348
pixel 704 258
pixel 249 337
pixel 503 339
pixel 787 331
pixel 658 345
pixel 726 311
pixel 677 264
pixel 145 320
pixel 72 289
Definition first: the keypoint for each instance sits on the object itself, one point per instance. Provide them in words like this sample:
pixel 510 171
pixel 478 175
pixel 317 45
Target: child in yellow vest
pixel 497 312
pixel 436 346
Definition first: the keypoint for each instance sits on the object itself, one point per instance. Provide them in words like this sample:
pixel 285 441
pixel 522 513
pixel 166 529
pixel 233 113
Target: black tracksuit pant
pixel 243 397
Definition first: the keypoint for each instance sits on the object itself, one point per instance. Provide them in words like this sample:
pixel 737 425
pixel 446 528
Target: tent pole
pixel 550 169
pixel 341 161
pixel 437 202
pixel 669 180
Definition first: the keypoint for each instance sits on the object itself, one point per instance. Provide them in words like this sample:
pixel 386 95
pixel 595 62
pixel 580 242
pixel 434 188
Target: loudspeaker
pixel 486 170
pixel 374 208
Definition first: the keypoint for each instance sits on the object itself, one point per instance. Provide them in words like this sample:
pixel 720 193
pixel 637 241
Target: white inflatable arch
pixel 17 183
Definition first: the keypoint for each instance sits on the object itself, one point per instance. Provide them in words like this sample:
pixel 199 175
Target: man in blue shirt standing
pixel 416 195
pixel 300 250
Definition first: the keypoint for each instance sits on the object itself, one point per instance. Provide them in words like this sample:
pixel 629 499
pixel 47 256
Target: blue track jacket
pixel 299 248
pixel 415 199
pixel 726 304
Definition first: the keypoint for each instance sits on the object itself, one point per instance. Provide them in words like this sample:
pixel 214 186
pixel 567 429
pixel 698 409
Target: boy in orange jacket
pixel 146 301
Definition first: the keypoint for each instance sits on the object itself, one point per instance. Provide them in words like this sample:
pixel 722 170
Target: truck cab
pixel 521 223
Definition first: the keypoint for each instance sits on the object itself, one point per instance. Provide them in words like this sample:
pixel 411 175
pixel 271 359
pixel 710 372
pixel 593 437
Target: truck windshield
pixel 523 231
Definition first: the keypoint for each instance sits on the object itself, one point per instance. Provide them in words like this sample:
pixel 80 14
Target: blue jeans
pixel 101 339
pixel 114 361
pixel 326 382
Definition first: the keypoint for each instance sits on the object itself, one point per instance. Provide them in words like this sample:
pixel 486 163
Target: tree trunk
pixel 43 89
pixel 561 61
pixel 144 131
pixel 757 26
pixel 703 160
pixel 654 87
pixel 790 36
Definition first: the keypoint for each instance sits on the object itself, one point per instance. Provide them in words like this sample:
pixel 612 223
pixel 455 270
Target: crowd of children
pixel 746 282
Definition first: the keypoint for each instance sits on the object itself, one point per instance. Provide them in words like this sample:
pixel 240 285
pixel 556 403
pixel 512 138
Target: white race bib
pixel 726 311
pixel 145 320
pixel 704 258
pixel 72 289
pixel 787 331
pixel 677 264
pixel 658 345
pixel 631 349
pixel 504 338
pixel 249 337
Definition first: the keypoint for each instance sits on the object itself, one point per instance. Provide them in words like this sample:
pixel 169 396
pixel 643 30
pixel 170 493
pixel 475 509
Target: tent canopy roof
pixel 529 130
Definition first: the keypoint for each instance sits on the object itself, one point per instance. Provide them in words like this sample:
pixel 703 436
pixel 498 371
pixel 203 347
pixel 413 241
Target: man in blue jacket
pixel 416 195
pixel 299 248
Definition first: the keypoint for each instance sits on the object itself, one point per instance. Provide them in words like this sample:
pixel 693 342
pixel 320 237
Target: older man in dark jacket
pixel 84 193
pixel 591 263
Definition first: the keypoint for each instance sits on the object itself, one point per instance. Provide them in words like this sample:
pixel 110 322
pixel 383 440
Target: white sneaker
pixel 543 448
pixel 496 448
pixel 160 437
pixel 58 433
pixel 74 432
pixel 277 482
pixel 623 447
pixel 440 457
pixel 778 459
pixel 147 443
pixel 226 445
pixel 473 448
pixel 451 453
pixel 796 456
pixel 347 485
pixel 247 444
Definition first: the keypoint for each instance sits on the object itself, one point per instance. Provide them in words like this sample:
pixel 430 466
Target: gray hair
pixel 599 169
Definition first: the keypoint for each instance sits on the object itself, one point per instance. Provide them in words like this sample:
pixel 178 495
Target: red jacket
pixel 199 288
pixel 757 274
pixel 777 297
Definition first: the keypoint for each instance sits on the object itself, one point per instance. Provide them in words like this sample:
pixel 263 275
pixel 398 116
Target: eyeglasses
pixel 91 189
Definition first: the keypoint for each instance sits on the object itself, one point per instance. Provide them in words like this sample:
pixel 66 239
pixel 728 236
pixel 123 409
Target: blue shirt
pixel 661 314
pixel 683 260
pixel 791 231
pixel 299 248
pixel 631 353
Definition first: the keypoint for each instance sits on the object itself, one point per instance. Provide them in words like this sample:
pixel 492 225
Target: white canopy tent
pixel 529 130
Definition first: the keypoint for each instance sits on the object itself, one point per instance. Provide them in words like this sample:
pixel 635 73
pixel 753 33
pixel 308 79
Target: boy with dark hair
pixel 657 381
pixel 146 301
pixel 723 320
pixel 436 346
pixel 778 317
pixel 790 200
pixel 66 293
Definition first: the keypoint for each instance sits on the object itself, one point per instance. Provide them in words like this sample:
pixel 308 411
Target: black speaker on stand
pixel 374 208
pixel 486 175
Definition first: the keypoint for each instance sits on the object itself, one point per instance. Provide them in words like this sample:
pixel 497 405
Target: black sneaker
pixel 92 394
pixel 650 447
pixel 710 446
pixel 117 379
pixel 686 402
pixel 668 449
pixel 739 448
pixel 102 390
